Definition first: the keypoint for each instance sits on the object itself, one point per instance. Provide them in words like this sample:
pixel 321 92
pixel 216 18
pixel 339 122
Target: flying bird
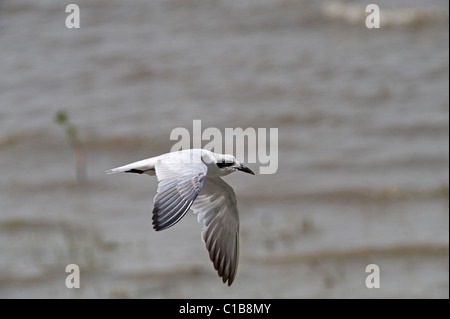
pixel 192 179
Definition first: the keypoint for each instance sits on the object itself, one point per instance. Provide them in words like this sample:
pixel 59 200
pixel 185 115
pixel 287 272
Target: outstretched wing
pixel 179 185
pixel 217 210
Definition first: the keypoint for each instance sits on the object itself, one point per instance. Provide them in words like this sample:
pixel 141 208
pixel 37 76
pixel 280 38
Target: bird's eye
pixel 224 164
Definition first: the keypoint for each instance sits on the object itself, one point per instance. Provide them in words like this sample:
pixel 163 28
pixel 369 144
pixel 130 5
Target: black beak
pixel 245 169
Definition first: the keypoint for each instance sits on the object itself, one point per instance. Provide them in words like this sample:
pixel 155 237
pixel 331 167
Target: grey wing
pixel 179 186
pixel 217 210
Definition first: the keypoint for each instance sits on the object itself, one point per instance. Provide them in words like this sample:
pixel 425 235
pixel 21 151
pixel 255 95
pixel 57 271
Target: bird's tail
pixel 145 166
pixel 114 170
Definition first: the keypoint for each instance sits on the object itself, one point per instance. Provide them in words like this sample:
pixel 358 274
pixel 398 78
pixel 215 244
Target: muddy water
pixel 363 121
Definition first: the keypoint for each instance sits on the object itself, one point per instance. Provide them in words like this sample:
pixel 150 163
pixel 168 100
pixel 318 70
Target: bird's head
pixel 226 164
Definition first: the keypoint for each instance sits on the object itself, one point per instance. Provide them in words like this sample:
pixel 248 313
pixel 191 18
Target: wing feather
pixel 177 190
pixel 217 210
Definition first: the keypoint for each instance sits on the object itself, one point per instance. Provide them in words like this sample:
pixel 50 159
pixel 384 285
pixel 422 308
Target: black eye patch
pixel 224 164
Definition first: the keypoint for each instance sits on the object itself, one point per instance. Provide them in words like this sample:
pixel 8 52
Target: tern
pixel 191 179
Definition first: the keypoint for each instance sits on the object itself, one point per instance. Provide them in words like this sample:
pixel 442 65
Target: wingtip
pixel 227 278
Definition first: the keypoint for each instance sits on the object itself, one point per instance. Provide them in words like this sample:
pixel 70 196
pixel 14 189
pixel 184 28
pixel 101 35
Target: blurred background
pixel 363 120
